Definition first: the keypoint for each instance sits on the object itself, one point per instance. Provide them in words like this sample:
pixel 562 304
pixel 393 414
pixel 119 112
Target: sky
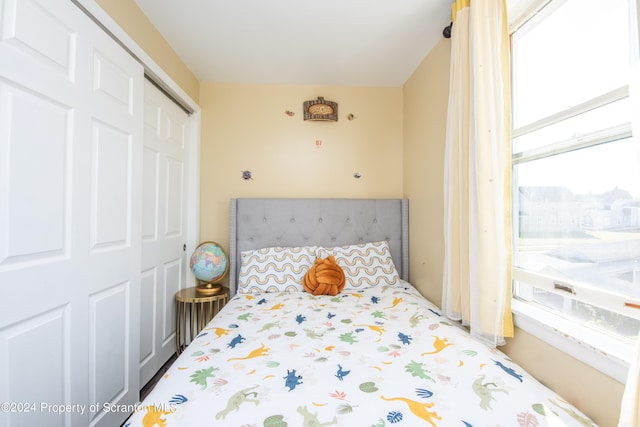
pixel 578 53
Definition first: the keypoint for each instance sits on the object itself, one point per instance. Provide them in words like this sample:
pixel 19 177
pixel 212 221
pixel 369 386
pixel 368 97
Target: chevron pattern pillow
pixel 274 269
pixel 365 264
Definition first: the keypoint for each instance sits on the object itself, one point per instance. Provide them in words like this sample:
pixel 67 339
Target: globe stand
pixel 208 289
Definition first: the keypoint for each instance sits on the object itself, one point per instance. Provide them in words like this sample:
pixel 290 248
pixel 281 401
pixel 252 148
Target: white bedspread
pixel 381 356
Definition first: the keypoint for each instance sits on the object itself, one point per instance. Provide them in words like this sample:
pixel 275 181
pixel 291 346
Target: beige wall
pixel 424 118
pixel 593 392
pixel 129 16
pixel 244 127
pixel 425 97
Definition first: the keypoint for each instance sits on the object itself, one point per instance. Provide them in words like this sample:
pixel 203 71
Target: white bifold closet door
pixel 71 147
pixel 164 256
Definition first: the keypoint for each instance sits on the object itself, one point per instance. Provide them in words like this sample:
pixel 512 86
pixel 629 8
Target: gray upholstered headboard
pixel 260 223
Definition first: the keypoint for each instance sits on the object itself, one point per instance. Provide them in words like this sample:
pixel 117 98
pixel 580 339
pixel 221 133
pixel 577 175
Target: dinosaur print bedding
pixel 380 356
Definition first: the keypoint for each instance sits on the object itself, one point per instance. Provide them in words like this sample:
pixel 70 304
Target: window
pixel 576 171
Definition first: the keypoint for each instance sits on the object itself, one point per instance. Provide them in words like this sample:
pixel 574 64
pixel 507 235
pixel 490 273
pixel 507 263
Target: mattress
pixel 378 356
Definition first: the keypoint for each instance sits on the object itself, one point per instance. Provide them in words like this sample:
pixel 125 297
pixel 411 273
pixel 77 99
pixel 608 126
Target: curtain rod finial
pixel 446 33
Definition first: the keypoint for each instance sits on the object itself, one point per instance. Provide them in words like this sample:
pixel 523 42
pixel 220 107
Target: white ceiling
pixel 326 42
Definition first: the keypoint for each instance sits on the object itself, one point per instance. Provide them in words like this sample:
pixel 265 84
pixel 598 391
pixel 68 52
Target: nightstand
pixel 194 311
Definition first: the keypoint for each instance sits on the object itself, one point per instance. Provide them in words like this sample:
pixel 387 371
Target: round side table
pixel 194 311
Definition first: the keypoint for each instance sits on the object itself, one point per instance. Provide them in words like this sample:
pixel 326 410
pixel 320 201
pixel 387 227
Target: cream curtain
pixel 630 407
pixel 477 187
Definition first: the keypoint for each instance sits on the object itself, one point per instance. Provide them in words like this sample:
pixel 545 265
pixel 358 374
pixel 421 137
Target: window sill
pixel 578 341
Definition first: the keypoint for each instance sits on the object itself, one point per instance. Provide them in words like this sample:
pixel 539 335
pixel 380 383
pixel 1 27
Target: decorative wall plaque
pixel 321 109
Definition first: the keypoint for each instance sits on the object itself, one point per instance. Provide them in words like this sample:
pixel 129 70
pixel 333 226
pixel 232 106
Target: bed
pixel 375 354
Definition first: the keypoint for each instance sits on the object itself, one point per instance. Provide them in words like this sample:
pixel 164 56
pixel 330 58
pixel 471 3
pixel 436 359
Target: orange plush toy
pixel 325 277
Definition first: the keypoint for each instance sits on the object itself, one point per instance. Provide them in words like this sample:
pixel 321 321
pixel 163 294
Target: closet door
pixel 114 202
pixel 70 212
pixel 164 259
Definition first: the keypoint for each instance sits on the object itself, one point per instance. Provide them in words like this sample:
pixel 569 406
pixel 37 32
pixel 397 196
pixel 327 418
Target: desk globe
pixel 209 264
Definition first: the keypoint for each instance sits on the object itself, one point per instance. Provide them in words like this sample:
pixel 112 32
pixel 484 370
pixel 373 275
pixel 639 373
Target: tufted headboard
pixel 260 223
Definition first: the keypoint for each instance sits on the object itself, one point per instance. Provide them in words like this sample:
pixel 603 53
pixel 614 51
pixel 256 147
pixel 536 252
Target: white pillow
pixel 275 269
pixel 365 264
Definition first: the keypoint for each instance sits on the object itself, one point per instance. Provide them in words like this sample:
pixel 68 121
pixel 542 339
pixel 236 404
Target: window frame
pixel 604 352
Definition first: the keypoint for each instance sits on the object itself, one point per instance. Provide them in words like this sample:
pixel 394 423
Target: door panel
pixel 173 273
pixel 150 182
pixel 37 34
pixel 115 147
pixel 25 356
pixel 163 226
pixel 148 309
pixel 39 303
pixel 30 152
pixel 113 85
pixel 174 196
pixel 111 187
pixel 108 326
pixel 70 213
